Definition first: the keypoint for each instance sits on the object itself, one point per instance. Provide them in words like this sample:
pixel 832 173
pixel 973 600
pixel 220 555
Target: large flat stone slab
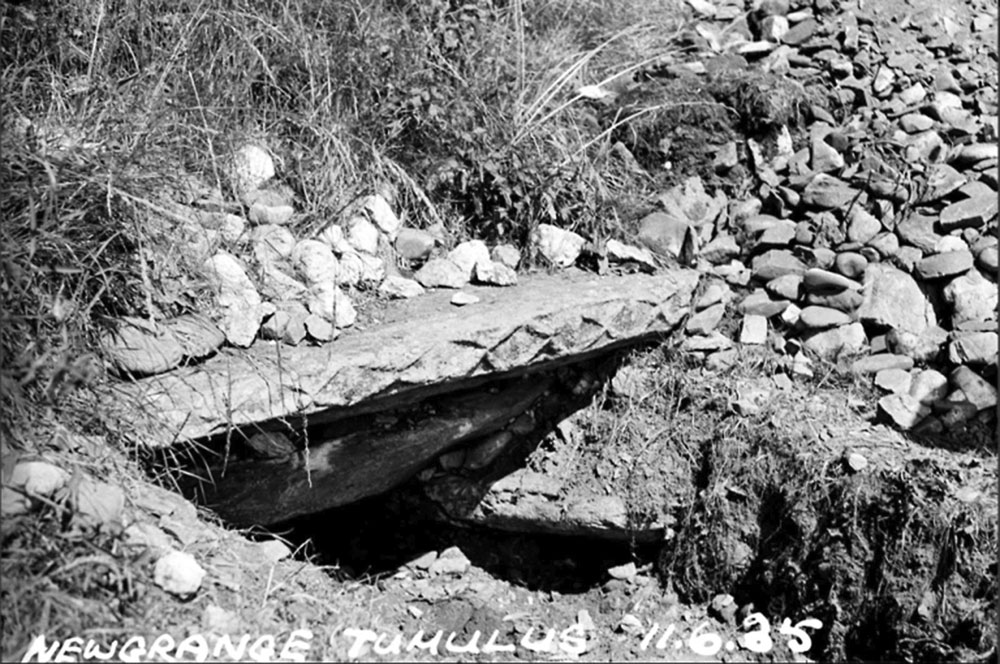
pixel 422 347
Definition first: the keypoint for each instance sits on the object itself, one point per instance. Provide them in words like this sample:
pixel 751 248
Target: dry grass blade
pixel 528 119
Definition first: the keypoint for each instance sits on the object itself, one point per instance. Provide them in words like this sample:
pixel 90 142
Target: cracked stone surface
pixel 425 346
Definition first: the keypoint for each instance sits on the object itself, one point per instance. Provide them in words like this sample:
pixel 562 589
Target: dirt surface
pixel 784 500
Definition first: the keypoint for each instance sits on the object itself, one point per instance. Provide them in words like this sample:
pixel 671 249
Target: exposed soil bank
pixel 786 499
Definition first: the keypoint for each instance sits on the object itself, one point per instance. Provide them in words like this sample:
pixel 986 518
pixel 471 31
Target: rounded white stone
pixel 178 573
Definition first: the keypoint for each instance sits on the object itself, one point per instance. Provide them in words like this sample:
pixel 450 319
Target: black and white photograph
pixel 499 331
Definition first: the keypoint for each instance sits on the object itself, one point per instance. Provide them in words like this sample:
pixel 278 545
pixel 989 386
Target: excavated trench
pixel 545 477
pixel 477 431
pixel 378 534
pixel 381 535
pixel 838 555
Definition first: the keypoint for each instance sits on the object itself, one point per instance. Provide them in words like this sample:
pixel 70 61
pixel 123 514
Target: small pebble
pixel 625 572
pixel 856 462
pixel 461 299
pixel 754 330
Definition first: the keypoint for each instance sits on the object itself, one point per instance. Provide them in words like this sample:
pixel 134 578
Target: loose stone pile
pixel 875 239
pixel 148 517
pixel 267 283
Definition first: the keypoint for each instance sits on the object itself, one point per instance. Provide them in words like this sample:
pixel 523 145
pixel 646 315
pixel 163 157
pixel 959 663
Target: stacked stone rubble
pixel 883 259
